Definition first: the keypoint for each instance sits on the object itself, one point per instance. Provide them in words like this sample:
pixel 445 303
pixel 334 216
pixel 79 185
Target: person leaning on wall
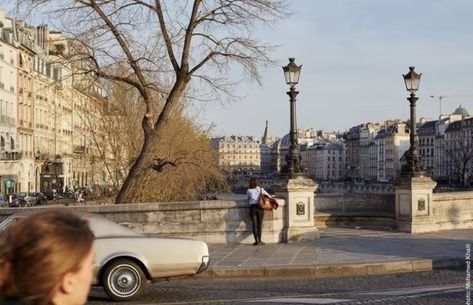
pixel 47 258
pixel 256 213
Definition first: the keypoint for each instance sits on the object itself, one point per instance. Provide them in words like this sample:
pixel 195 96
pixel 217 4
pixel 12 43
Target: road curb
pixel 332 271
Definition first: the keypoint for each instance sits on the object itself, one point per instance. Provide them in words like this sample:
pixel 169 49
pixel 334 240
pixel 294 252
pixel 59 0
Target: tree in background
pixel 168 51
pixel 460 160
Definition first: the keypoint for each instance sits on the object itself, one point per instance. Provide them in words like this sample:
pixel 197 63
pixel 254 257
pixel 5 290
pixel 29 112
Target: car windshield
pixel 101 227
pixel 105 228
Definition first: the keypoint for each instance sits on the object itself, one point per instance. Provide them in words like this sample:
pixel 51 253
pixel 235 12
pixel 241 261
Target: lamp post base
pixel 299 214
pixel 414 210
pixel 293 167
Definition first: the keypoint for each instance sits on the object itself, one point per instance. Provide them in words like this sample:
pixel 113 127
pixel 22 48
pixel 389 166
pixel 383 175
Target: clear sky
pixel 353 53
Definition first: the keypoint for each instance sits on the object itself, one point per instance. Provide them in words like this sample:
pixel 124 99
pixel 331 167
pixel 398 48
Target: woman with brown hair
pixel 256 213
pixel 47 258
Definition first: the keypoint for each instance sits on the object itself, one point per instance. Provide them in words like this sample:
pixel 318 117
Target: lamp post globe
pixel 292 72
pixel 293 167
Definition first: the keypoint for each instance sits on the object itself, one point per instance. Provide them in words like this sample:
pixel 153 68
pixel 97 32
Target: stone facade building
pixel 10 151
pixel 427 133
pixel 367 134
pixel 432 147
pixel 374 150
pixel 352 142
pixel 40 110
pixel 238 152
pixel 392 142
pixel 326 161
pixel 459 152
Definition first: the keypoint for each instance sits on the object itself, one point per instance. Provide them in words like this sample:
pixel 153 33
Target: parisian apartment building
pixel 44 139
pixel 241 153
pixel 368 152
pixel 374 151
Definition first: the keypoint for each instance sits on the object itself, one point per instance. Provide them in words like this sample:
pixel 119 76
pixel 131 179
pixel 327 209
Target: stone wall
pixel 212 221
pixel 375 211
pixel 221 221
pixel 356 204
pixel 453 210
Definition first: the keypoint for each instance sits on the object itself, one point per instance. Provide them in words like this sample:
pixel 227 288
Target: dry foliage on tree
pixel 188 167
pixel 168 50
pixel 116 139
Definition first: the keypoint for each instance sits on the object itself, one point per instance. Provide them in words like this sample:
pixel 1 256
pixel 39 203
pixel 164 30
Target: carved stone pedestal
pixel 414 204
pixel 299 215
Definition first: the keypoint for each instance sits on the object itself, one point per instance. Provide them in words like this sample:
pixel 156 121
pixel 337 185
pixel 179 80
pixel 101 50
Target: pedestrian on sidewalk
pixel 256 213
pixel 80 197
pixel 47 258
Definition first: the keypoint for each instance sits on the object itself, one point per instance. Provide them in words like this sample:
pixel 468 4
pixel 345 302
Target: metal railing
pixel 10 155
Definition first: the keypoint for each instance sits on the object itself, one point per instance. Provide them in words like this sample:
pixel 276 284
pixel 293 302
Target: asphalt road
pixel 440 287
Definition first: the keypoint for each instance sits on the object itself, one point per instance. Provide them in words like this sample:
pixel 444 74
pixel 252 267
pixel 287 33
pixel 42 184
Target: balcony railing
pixel 42 156
pixel 7 120
pixel 10 155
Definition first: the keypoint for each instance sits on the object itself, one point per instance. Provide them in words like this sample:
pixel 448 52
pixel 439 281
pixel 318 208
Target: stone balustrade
pixel 222 221
pixel 213 221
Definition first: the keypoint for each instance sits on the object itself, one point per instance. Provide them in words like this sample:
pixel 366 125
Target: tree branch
pixel 162 24
pixel 188 36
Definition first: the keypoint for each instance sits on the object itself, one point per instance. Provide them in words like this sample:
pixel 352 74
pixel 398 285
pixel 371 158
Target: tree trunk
pixel 129 190
pixel 133 183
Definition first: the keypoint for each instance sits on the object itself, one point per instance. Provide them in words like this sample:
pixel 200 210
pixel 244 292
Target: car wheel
pixel 123 280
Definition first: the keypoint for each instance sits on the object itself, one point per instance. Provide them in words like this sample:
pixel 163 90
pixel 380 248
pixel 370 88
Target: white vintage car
pixel 126 261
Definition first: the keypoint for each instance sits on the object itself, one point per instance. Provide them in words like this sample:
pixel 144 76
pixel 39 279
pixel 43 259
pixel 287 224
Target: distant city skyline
pixel 353 53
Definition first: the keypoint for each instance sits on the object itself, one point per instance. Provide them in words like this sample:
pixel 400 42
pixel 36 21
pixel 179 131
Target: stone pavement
pixel 343 252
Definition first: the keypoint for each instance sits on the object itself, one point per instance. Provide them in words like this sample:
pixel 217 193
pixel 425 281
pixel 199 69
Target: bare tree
pixel 162 45
pixel 460 159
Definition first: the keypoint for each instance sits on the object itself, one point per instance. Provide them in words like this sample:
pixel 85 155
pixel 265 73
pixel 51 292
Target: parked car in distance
pixel 3 201
pixel 15 200
pixel 125 260
pixel 40 198
pixel 25 199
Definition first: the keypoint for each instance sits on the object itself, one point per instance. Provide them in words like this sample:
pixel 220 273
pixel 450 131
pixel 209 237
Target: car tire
pixel 123 280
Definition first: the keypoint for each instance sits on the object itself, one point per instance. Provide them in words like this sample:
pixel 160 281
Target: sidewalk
pixel 343 252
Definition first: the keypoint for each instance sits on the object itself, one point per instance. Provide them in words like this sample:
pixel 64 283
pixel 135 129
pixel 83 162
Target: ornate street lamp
pixel 293 168
pixel 413 166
